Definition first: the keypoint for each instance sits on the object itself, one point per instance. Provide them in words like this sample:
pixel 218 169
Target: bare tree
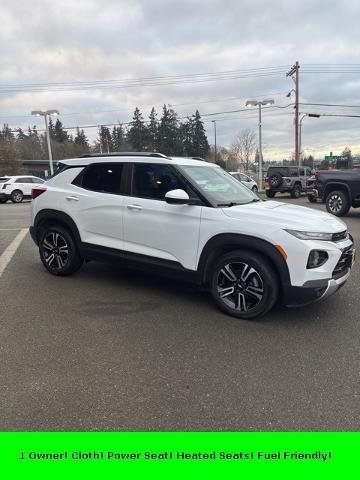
pixel 243 147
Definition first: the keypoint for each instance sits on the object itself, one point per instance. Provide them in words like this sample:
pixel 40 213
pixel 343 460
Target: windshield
pixel 219 186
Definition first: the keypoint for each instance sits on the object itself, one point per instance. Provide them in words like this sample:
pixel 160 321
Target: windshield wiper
pixel 229 204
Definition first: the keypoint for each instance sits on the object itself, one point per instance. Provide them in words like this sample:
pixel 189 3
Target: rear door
pixel 155 228
pixel 94 201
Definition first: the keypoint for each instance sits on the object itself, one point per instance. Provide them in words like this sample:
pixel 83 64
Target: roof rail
pixel 124 154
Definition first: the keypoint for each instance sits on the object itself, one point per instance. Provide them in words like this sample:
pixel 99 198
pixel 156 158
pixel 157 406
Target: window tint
pixel 294 172
pixel 37 180
pixel 154 181
pixel 105 177
pixel 243 177
pixel 4 179
pixel 302 172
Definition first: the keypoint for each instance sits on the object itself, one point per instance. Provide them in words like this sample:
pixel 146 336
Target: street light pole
pixel 214 122
pixel 46 114
pixel 260 103
pixel 312 115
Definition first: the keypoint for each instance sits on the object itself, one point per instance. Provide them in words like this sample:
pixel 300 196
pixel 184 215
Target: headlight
pixel 328 237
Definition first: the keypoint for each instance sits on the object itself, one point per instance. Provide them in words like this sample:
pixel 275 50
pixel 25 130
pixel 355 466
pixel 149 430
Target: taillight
pixel 5 185
pixel 35 192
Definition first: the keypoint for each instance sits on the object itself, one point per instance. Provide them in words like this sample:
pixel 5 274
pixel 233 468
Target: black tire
pixel 270 193
pixel 17 196
pixel 251 281
pixel 275 180
pixel 296 191
pixel 312 199
pixel 58 242
pixel 337 203
pixel 255 189
pixel 3 200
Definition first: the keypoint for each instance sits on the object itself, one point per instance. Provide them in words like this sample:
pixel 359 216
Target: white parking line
pixel 9 229
pixel 10 251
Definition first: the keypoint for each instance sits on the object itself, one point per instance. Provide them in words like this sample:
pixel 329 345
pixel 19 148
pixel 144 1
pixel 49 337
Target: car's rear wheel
pixel 58 251
pixel 17 196
pixel 270 193
pixel 337 203
pixel 296 192
pixel 255 189
pixel 243 284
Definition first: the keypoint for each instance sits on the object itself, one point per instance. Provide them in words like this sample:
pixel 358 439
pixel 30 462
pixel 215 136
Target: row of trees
pixel 167 135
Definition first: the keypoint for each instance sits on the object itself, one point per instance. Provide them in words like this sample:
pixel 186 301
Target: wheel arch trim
pixel 48 215
pixel 221 242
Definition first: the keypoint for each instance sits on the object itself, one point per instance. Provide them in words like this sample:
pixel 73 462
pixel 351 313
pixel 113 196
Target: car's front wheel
pixel 243 284
pixel 58 251
pixel 255 189
pixel 296 192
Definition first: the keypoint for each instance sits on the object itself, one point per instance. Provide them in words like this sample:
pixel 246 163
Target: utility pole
pixel 294 71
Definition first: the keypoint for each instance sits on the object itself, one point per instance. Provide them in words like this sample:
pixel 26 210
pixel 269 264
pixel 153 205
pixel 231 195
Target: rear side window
pixel 37 180
pixel 294 172
pixel 284 171
pixel 4 179
pixel 104 177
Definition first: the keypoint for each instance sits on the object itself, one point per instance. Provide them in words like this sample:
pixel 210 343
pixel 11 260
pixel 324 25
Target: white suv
pixel 17 188
pixel 189 219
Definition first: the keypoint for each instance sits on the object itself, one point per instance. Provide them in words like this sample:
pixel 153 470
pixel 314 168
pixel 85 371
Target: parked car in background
pixel 286 179
pixel 340 189
pixel 17 188
pixel 246 180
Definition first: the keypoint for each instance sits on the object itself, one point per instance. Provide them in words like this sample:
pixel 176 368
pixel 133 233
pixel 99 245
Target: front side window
pixel 219 186
pixel 104 177
pixel 154 181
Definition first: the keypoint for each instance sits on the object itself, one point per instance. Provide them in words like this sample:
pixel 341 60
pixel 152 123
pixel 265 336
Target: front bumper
pixel 313 291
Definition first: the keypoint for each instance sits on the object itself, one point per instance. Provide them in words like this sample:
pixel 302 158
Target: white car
pixel 169 215
pixel 246 180
pixel 18 187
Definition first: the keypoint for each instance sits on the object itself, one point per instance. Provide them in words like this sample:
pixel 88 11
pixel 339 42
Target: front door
pixel 155 228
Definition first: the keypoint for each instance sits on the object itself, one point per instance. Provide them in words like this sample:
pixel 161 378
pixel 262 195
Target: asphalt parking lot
pixel 113 349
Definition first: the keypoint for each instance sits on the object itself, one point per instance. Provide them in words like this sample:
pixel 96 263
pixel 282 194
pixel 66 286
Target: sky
pixel 85 58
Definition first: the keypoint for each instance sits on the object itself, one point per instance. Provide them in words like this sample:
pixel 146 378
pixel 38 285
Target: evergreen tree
pixel 60 135
pixel 200 144
pixel 118 138
pixel 153 131
pixel 105 140
pixel 169 141
pixel 137 132
pixel 6 133
pixel 81 139
pixel 10 163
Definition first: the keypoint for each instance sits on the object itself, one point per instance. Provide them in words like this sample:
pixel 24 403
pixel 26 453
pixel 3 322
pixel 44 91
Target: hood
pixel 285 215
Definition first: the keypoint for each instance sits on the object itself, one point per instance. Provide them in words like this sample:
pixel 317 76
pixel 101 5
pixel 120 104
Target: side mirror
pixel 177 197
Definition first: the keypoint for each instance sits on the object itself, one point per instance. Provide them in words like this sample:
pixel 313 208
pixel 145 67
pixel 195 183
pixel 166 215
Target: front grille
pixel 337 237
pixel 344 262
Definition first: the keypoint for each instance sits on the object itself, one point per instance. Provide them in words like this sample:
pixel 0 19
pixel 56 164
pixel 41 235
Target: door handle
pixel 135 207
pixel 71 197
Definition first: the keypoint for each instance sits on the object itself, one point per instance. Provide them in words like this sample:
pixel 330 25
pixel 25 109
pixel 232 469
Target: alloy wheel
pixel 55 250
pixel 335 203
pixel 240 286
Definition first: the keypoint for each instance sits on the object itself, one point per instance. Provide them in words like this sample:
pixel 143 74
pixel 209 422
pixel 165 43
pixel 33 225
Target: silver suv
pixel 286 179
